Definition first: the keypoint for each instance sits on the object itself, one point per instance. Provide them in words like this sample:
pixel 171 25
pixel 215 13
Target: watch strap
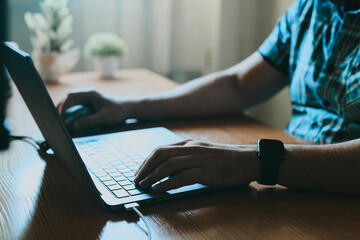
pixel 269 173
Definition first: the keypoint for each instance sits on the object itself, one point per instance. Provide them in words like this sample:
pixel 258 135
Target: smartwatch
pixel 271 154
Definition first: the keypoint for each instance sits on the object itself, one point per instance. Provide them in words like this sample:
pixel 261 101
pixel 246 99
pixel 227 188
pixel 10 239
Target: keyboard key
pixel 134 168
pixel 120 193
pixel 129 187
pixel 123 170
pixel 110 182
pixel 91 165
pixel 105 178
pixel 115 174
pixel 129 174
pixel 101 174
pixel 125 182
pixel 126 161
pixel 102 162
pixel 139 161
pixel 107 166
pixel 111 170
pixel 96 170
pixel 131 164
pixel 106 156
pixel 112 160
pixel 120 178
pixel 131 178
pixel 120 167
pixel 92 153
pixel 96 157
pixel 135 192
pixel 114 187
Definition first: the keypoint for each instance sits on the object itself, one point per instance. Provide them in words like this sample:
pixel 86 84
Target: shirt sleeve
pixel 276 48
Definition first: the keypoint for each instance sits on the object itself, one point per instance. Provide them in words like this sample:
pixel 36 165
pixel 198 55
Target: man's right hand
pixel 106 110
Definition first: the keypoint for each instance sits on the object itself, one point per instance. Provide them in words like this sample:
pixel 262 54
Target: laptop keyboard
pixel 114 163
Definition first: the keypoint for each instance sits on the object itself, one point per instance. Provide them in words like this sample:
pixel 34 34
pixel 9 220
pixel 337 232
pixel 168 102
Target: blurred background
pixel 178 39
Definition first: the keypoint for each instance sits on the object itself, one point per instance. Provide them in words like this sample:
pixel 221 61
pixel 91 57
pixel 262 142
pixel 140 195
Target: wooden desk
pixel 40 200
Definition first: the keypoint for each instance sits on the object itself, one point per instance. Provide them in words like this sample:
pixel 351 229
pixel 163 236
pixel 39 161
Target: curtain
pixel 162 35
pixel 193 36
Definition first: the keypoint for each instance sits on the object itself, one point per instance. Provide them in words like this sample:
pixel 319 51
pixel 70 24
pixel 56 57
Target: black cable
pixel 39 145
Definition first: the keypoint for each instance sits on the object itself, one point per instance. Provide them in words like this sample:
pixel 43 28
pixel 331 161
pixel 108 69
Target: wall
pixel 276 111
pixel 241 35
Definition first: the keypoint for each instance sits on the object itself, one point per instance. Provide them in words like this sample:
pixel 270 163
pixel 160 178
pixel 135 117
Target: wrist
pixel 287 169
pixel 134 108
pixel 255 166
pixel 250 169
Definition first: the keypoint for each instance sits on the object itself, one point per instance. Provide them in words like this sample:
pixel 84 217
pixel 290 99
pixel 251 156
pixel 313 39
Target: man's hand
pixel 107 110
pixel 190 162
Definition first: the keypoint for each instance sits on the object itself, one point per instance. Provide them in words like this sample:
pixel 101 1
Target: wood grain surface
pixel 39 199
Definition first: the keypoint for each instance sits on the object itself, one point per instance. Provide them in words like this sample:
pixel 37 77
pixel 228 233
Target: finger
pixel 181 143
pixel 88 121
pixel 159 155
pixel 78 98
pixel 191 142
pixel 59 106
pixel 155 152
pixel 66 104
pixel 168 168
pixel 181 179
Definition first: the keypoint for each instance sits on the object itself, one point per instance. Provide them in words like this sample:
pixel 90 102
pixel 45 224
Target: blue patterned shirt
pixel 317 44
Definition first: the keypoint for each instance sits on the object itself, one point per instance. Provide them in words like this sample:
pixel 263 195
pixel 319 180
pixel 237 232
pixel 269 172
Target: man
pixel 315 49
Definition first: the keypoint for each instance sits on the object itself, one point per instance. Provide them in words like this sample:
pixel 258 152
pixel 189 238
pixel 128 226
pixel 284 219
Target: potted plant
pixel 51 31
pixel 106 49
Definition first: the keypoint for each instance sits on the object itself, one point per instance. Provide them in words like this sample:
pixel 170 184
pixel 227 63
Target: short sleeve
pixel 276 48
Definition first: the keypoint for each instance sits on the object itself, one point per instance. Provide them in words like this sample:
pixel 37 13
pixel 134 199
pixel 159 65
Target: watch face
pixel 270 150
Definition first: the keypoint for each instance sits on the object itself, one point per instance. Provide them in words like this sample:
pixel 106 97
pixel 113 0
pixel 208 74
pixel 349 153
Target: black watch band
pixel 271 154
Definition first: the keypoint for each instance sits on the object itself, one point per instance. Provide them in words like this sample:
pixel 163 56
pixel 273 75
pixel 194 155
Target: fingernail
pixel 142 183
pixel 136 179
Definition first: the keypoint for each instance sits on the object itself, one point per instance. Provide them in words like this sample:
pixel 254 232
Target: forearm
pixel 212 95
pixel 227 92
pixel 330 168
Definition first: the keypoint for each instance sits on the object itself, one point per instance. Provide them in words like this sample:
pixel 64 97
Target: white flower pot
pixel 106 66
pixel 53 64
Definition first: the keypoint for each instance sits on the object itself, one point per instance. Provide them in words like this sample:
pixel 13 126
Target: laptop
pixel 104 165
